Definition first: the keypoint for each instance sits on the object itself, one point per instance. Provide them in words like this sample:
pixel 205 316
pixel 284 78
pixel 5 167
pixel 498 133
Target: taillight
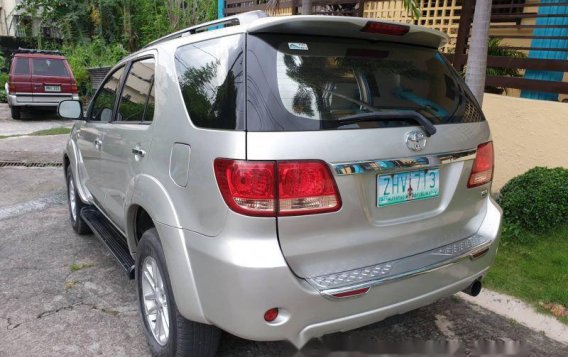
pixel 306 187
pixel 248 187
pixel 74 88
pixel 269 188
pixel 12 87
pixel 482 169
pixel 385 28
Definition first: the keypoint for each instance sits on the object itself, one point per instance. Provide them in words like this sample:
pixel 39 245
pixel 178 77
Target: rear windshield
pixel 49 67
pixel 312 83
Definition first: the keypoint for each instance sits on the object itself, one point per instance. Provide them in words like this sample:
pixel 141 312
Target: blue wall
pixel 559 55
pixel 220 8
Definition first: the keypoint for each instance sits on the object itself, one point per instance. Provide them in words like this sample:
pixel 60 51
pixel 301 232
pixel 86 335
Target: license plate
pixel 407 186
pixel 52 88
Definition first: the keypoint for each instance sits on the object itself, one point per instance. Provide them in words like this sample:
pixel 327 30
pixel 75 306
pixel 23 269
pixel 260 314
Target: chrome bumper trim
pixel 392 165
pixel 472 247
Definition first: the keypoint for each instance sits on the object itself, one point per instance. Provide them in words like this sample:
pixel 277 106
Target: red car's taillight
pixel 482 169
pixel 74 88
pixel 268 188
pixel 12 87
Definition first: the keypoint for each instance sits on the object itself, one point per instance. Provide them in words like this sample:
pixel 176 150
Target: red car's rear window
pixel 49 67
pixel 21 66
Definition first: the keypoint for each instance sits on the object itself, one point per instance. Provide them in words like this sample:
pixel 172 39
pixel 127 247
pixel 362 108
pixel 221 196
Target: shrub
pixel 536 200
pixel 96 53
pixel 3 80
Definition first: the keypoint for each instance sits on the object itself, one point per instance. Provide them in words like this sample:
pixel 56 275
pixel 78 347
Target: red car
pixel 39 79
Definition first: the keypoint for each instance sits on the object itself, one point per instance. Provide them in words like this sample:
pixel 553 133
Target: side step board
pixel 110 237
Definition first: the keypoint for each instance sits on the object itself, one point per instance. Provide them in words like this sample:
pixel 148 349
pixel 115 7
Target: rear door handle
pixel 138 152
pixel 98 143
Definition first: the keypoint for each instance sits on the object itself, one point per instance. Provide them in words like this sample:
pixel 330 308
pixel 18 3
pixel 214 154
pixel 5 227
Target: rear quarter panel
pixel 199 206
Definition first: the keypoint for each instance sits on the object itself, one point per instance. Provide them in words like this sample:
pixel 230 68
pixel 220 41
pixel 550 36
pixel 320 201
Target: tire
pixel 184 337
pixel 16 113
pixel 75 205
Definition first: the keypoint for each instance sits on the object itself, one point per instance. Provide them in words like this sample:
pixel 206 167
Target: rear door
pixel 90 135
pixel 403 192
pixel 20 82
pixel 127 140
pixel 52 79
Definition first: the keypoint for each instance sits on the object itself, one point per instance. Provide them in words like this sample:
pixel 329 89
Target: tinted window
pixel 22 66
pixel 49 67
pixel 310 83
pixel 103 104
pixel 210 75
pixel 136 92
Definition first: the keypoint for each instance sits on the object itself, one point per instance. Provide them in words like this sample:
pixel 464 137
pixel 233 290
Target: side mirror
pixel 70 109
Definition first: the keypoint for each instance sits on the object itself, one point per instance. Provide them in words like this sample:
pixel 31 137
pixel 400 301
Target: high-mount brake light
pixel 482 169
pixel 385 28
pixel 270 188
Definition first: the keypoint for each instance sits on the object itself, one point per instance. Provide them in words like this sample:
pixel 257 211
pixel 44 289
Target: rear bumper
pixel 39 100
pixel 237 279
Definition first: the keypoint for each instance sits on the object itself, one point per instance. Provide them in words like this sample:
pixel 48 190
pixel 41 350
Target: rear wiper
pixel 392 115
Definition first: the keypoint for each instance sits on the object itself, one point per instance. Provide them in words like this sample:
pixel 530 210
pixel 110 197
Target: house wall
pixel 7 10
pixel 526 133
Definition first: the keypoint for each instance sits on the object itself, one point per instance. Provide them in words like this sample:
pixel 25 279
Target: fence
pixel 539 29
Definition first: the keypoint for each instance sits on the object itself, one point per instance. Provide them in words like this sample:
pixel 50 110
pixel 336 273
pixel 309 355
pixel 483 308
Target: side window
pixel 210 75
pixel 22 66
pixel 103 104
pixel 137 98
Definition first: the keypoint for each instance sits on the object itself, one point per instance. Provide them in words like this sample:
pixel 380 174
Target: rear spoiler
pixel 350 27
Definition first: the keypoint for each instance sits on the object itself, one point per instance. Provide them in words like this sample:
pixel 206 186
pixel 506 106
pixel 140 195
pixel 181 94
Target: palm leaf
pixel 413 8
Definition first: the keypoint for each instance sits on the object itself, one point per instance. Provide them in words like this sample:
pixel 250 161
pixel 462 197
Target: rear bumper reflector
pixel 351 293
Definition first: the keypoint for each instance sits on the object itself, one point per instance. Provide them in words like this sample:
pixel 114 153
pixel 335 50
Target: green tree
pixel 129 22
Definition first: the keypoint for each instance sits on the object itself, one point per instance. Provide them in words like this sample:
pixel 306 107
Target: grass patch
pixel 52 131
pixel 78 266
pixel 70 284
pixel 534 269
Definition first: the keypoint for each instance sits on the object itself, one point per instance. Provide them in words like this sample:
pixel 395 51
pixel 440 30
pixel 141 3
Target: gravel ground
pixel 49 310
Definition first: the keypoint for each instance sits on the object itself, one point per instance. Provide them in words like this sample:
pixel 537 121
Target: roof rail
pixel 31 50
pixel 235 20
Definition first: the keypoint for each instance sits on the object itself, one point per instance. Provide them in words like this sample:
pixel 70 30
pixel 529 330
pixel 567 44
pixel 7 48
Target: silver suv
pixel 282 178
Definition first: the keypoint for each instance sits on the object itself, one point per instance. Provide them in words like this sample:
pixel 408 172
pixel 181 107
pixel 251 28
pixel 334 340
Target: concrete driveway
pixel 31 121
pixel 63 294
